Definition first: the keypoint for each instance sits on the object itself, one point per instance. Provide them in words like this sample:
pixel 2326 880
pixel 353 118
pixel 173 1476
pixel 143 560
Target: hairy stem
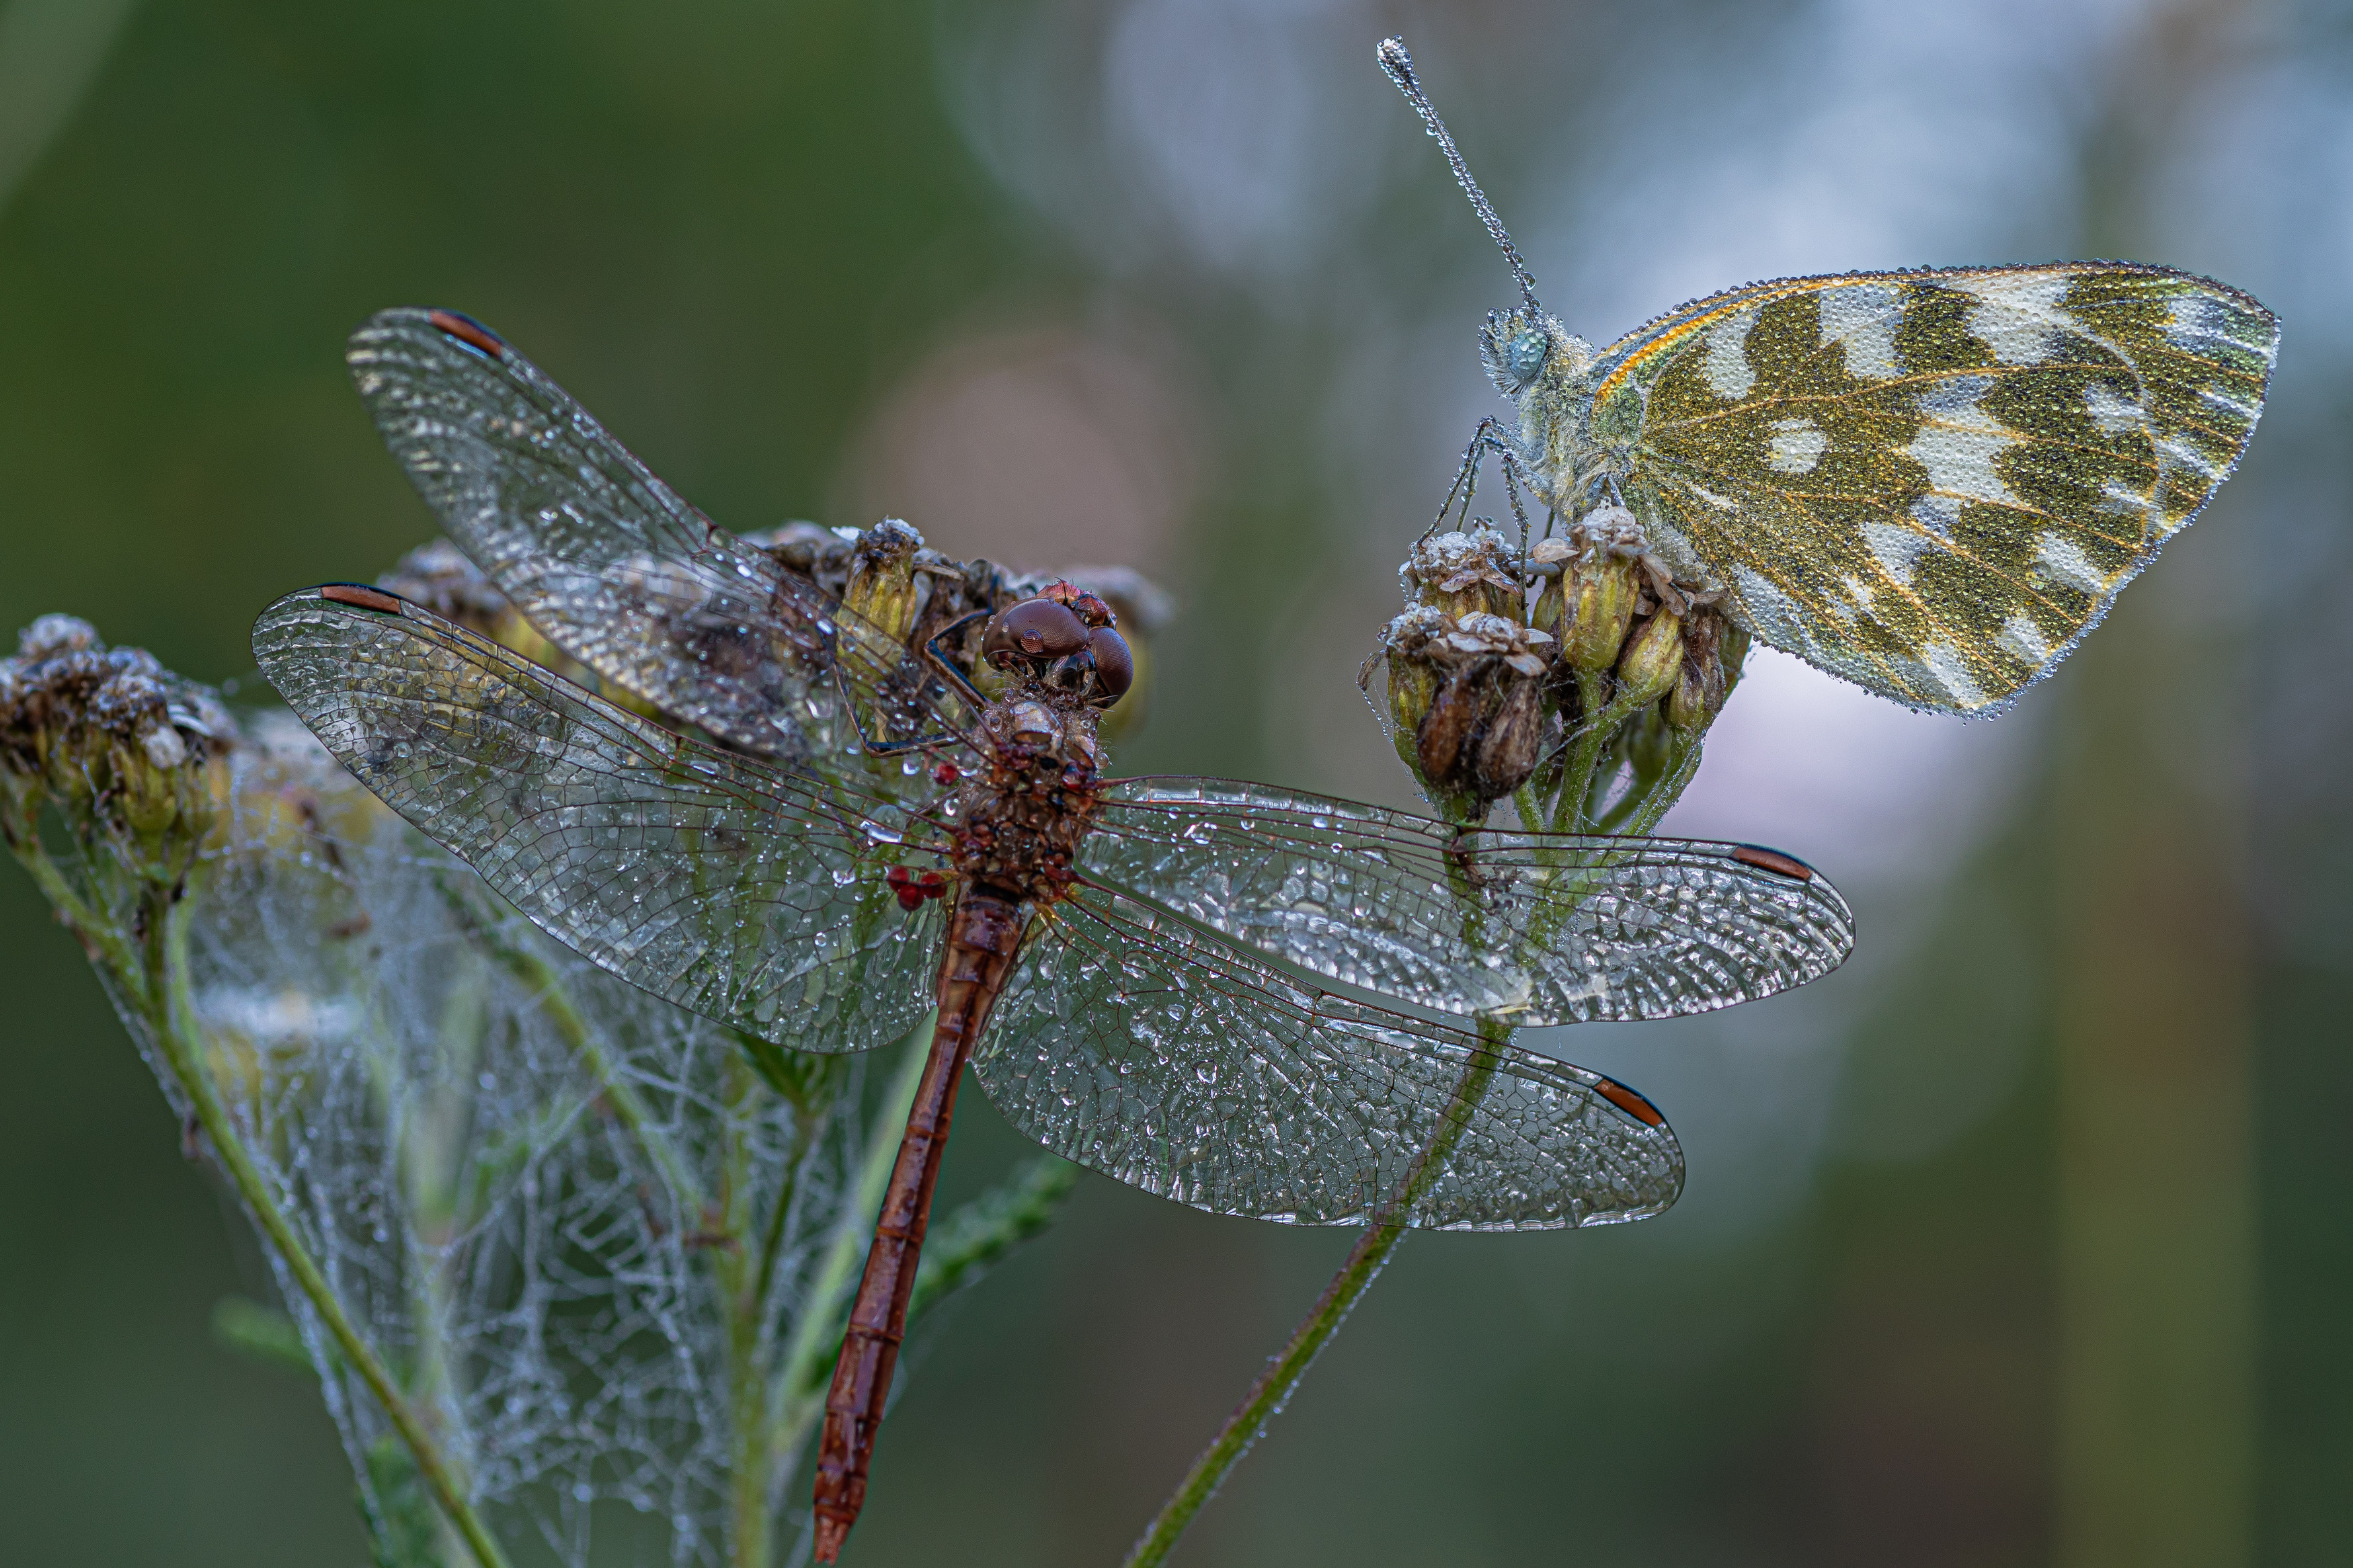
pixel 1356 1273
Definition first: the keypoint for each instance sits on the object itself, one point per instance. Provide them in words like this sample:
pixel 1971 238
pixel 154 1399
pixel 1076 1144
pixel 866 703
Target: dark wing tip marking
pixel 1626 1100
pixel 365 598
pixel 469 332
pixel 1773 860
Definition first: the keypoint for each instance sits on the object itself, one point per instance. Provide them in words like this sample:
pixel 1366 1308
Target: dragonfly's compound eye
pixel 1114 665
pixel 1033 630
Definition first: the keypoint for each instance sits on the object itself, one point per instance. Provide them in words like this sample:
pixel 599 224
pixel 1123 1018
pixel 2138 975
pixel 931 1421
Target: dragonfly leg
pixel 946 667
pixel 984 935
pixel 874 748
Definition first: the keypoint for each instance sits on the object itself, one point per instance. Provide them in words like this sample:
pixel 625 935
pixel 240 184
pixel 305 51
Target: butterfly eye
pixel 1526 354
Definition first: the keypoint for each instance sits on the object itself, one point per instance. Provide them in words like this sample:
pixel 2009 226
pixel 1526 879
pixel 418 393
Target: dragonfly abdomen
pixel 983 936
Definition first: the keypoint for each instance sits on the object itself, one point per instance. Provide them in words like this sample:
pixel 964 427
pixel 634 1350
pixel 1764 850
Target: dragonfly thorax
pixel 1020 817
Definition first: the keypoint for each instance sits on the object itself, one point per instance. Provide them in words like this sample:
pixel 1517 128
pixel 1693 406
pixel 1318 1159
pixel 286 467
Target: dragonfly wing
pixel 609 563
pixel 1539 928
pixel 744 891
pixel 1142 1048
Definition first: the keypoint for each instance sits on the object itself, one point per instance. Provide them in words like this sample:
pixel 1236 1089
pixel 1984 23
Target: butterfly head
pixel 1523 348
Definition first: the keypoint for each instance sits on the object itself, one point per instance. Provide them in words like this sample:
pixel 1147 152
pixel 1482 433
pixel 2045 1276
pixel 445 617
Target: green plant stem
pixel 1585 753
pixel 814 1336
pixel 1356 1273
pixel 546 988
pixel 155 989
pixel 734 1274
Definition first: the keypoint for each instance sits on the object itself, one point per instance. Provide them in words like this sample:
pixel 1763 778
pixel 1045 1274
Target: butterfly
pixel 1931 483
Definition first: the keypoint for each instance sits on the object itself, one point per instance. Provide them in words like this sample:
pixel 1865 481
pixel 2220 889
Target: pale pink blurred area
pixel 1036 446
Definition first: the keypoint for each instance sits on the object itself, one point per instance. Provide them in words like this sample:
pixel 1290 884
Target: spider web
pixel 540 1192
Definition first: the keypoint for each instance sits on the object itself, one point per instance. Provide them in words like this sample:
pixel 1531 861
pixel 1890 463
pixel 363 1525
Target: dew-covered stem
pixel 155 990
pixel 1356 1275
pixel 800 1384
pixel 547 991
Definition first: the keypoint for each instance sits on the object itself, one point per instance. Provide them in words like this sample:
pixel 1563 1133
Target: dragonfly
pixel 1254 1001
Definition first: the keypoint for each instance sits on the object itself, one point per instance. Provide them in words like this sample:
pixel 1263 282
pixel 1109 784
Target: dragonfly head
pixel 1064 640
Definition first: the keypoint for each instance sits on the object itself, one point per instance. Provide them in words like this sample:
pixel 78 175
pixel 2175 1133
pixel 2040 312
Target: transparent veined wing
pixel 747 893
pixel 1931 483
pixel 1143 1049
pixel 1537 928
pixel 610 563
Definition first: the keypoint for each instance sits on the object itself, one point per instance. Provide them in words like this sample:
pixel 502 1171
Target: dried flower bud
pixel 1465 700
pixel 1508 750
pixel 51 635
pixel 1450 725
pixel 1713 650
pixel 108 738
pixel 1653 658
pixel 1463 573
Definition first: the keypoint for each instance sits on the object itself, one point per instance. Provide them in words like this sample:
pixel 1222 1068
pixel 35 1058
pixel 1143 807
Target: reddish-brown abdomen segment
pixel 984 935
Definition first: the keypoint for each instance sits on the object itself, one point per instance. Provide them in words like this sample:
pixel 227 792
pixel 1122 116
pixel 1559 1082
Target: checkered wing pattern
pixel 1933 483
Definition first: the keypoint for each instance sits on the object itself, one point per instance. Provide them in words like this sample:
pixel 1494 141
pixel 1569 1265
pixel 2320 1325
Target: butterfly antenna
pixel 1399 65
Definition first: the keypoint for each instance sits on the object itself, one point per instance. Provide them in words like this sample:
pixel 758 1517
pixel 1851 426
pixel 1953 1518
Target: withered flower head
pixel 1714 649
pixel 1463 573
pixel 107 736
pixel 1465 703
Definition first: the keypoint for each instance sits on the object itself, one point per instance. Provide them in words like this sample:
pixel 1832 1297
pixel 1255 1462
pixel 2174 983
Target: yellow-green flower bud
pixel 147 773
pixel 1653 658
pixel 1412 676
pixel 1600 594
pixel 883 591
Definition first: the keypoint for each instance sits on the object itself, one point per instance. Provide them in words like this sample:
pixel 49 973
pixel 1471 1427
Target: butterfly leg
pixel 1487 439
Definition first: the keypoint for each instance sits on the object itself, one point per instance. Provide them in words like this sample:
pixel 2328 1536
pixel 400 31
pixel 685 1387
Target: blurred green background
pixel 2023 1239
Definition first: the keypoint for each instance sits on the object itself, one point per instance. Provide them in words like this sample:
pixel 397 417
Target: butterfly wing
pixel 744 891
pixel 1933 483
pixel 1167 1060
